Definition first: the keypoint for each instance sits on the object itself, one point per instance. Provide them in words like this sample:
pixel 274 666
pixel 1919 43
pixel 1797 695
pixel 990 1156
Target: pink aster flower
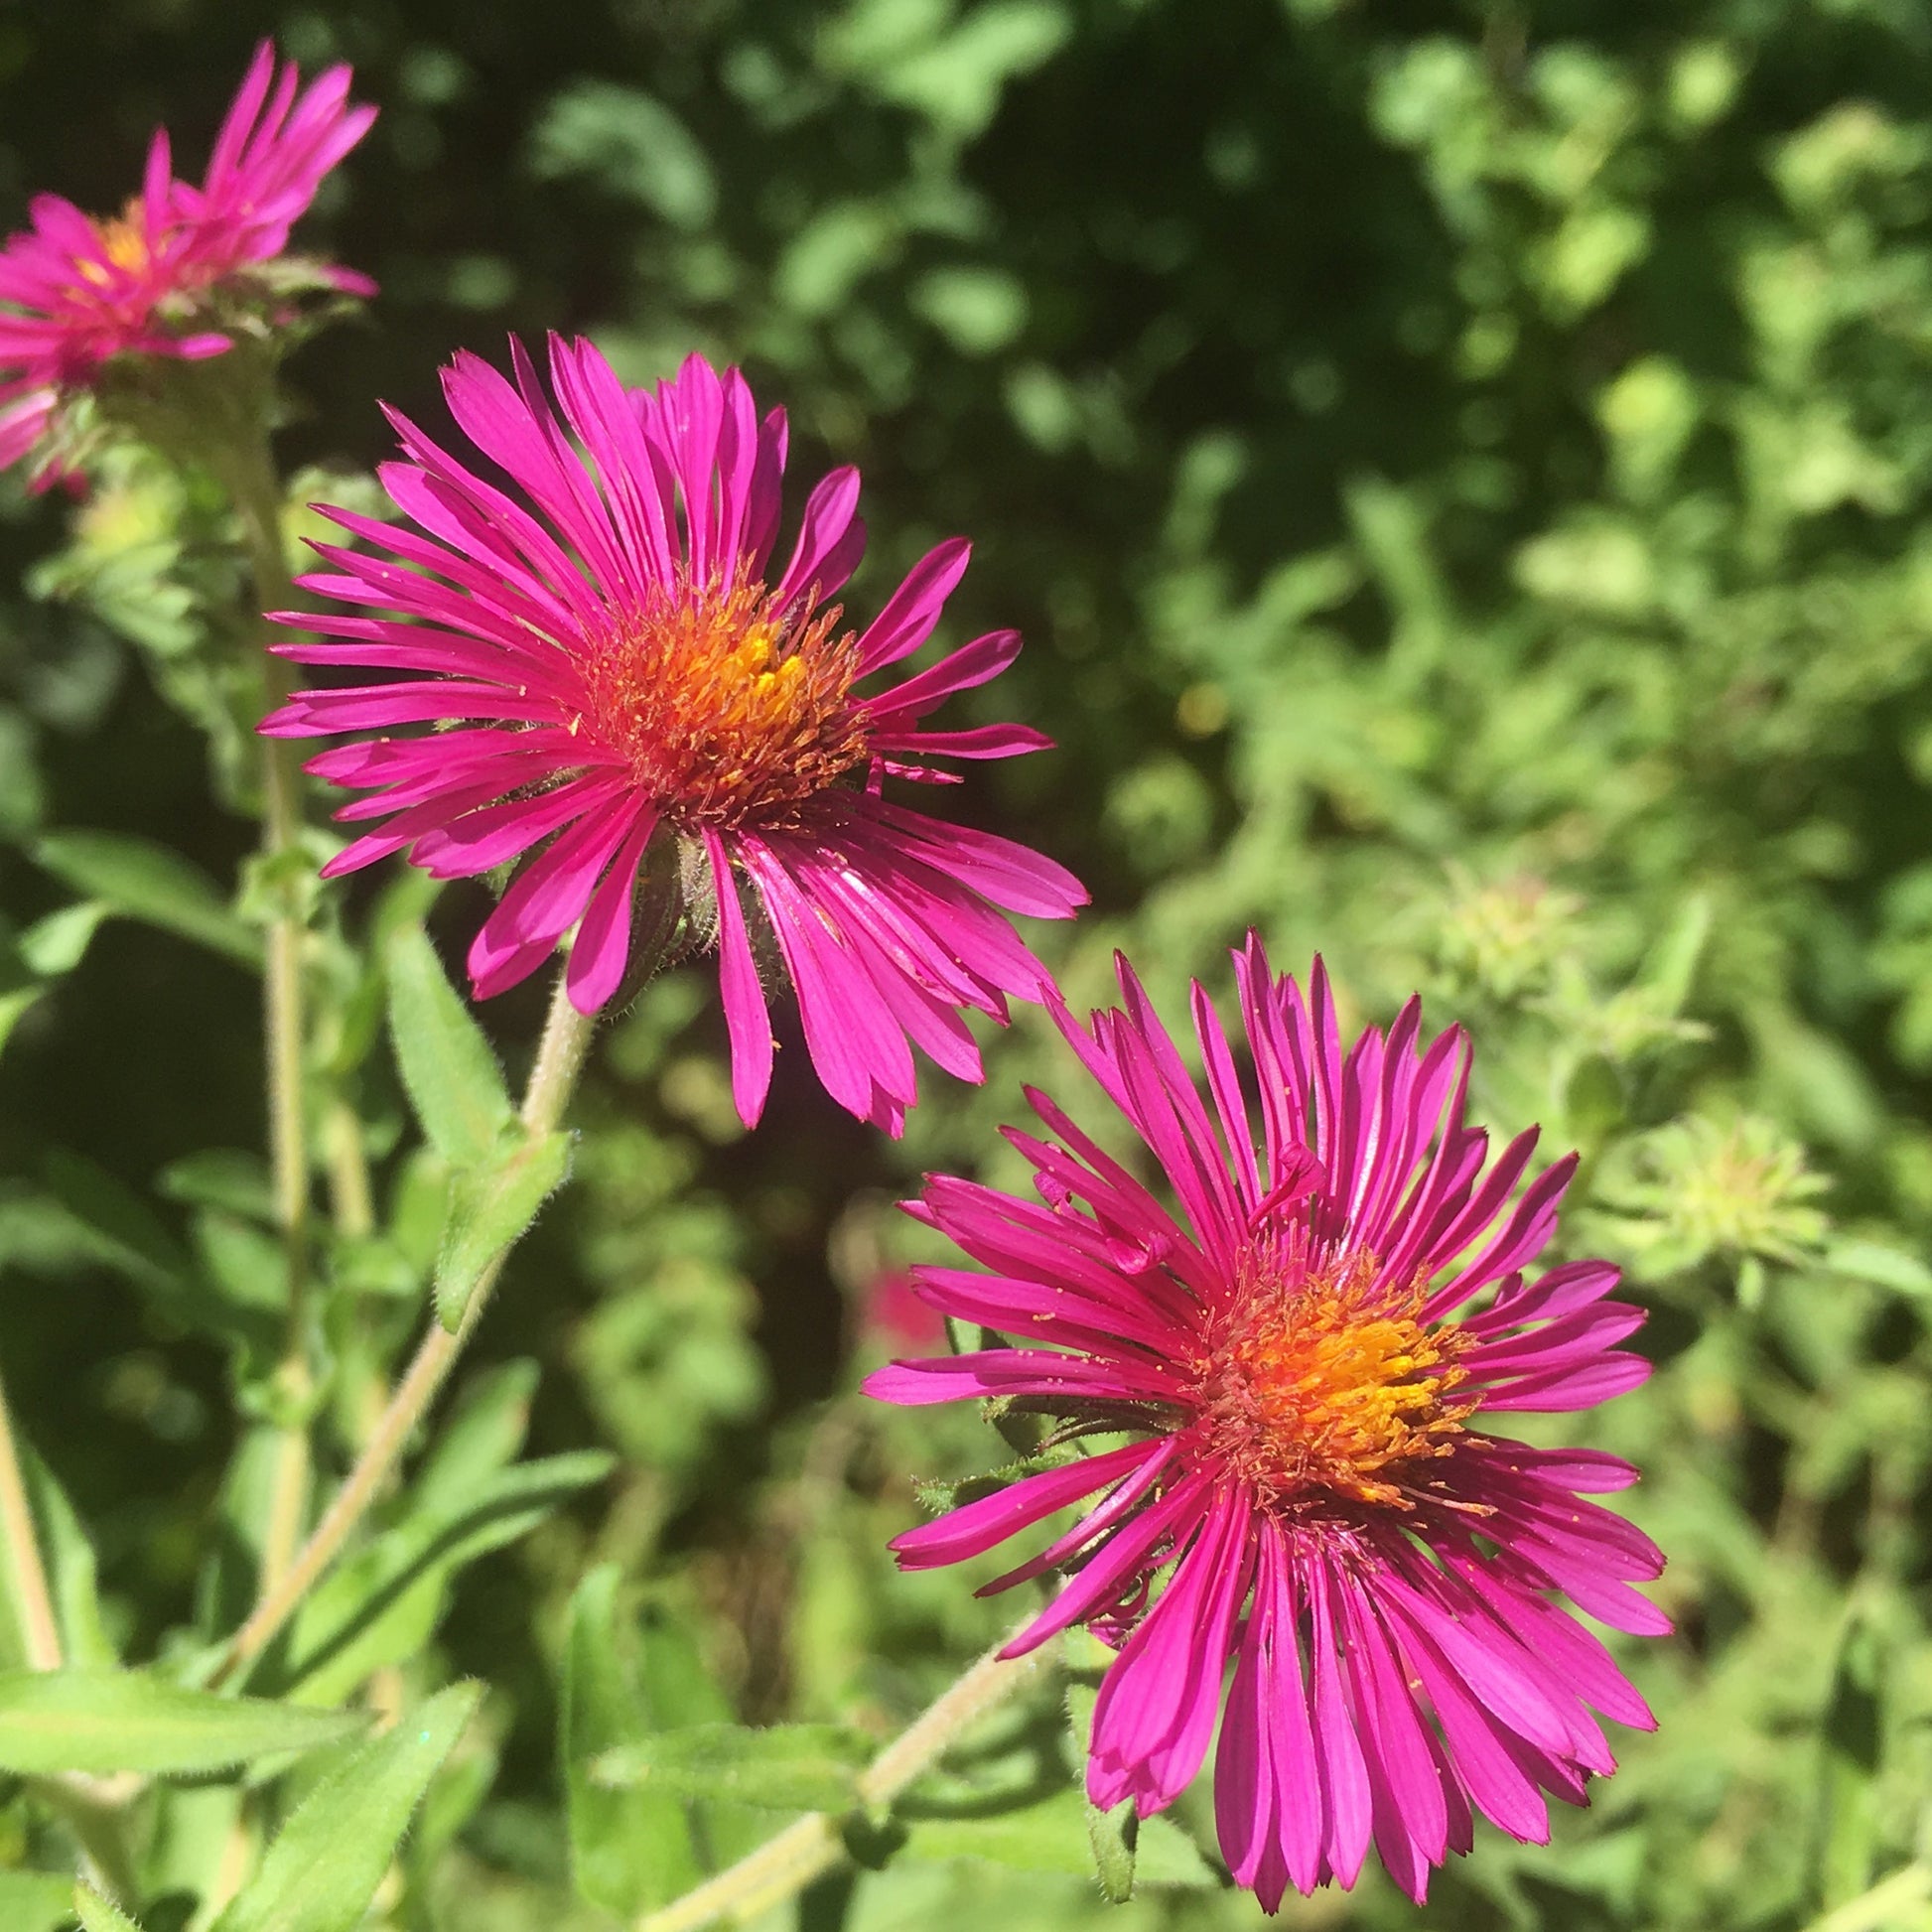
pixel 159 278
pixel 1303 1368
pixel 619 663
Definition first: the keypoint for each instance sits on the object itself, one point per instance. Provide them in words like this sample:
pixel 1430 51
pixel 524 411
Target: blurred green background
pixel 1465 474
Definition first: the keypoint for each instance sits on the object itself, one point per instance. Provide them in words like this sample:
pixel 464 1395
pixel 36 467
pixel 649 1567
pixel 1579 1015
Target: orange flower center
pixel 124 241
pixel 727 711
pixel 1319 1382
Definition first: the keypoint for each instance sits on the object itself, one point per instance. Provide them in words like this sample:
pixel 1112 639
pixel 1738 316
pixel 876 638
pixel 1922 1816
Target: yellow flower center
pixel 124 241
pixel 1319 1382
pixel 726 711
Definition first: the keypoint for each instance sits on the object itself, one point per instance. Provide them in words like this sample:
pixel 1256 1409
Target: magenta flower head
pixel 1303 1368
pixel 182 270
pixel 620 674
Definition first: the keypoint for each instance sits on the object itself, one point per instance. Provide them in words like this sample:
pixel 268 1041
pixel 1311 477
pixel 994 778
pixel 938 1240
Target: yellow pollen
pixel 726 711
pixel 1320 1384
pixel 124 241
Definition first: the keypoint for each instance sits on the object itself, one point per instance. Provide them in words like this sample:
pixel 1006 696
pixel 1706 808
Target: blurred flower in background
pixel 181 270
pixel 614 670
pixel 1300 1399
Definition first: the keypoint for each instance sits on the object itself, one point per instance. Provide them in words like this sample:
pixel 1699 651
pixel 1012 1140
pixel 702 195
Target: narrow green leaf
pixel 482 1435
pixel 1113 1836
pixel 69 1560
pixel 57 943
pixel 629 1850
pixel 324 1864
pixel 139 880
pixel 35 1901
pixel 785 1767
pixel 98 1914
pixel 226 1177
pixel 491 1205
pixel 1884 1267
pixel 454 1081
pixel 231 1575
pixel 382 1606
pixel 1051 1836
pixel 125 1721
pixel 13 1009
pixel 1846 1832
pixel 129 1234
pixel 1670 970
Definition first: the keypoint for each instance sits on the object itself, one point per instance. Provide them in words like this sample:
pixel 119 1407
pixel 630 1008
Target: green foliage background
pixel 1464 473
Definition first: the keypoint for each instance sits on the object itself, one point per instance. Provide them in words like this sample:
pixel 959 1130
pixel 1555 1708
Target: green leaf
pixel 57 943
pixel 226 1177
pixel 629 1850
pixel 1846 1831
pixel 230 1572
pixel 454 1081
pixel 126 1231
pixel 491 1206
pixel 324 1864
pixel 1670 969
pixel 629 142
pixel 98 1914
pixel 139 880
pixel 1051 1836
pixel 35 1901
pixel 382 1606
pixel 125 1721
pixel 785 1767
pixel 1884 1267
pixel 482 1435
pixel 70 1562
pixel 13 1009
pixel 1113 1836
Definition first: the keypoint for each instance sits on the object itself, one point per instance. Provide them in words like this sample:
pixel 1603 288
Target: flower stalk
pixel 805 1851
pixel 255 493
pixel 560 1058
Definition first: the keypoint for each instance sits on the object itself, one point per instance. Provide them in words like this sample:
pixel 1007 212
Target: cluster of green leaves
pixel 1464 476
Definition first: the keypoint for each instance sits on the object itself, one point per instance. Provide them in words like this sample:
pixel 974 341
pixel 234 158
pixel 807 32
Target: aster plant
pixel 587 654
pixel 182 274
pixel 1306 1353
pixel 615 668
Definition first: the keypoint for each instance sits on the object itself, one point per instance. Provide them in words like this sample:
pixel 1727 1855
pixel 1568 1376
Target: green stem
pixel 785 1865
pixel 249 473
pixel 560 1058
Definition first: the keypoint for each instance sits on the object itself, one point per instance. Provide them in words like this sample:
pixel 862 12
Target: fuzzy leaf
pixel 98 1914
pixel 1051 1836
pixel 491 1206
pixel 324 1864
pixel 1113 1836
pixel 454 1081
pixel 629 1850
pixel 785 1767
pixel 101 1720
pixel 35 1901
pixel 139 880
pixel 70 1562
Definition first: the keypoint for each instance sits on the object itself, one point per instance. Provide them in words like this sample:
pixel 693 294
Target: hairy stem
pixel 39 1631
pixel 785 1865
pixel 257 497
pixel 560 1058
pixel 93 1809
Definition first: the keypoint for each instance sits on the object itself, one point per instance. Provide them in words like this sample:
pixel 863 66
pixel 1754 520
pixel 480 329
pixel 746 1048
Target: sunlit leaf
pixel 324 1865
pixel 128 1720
